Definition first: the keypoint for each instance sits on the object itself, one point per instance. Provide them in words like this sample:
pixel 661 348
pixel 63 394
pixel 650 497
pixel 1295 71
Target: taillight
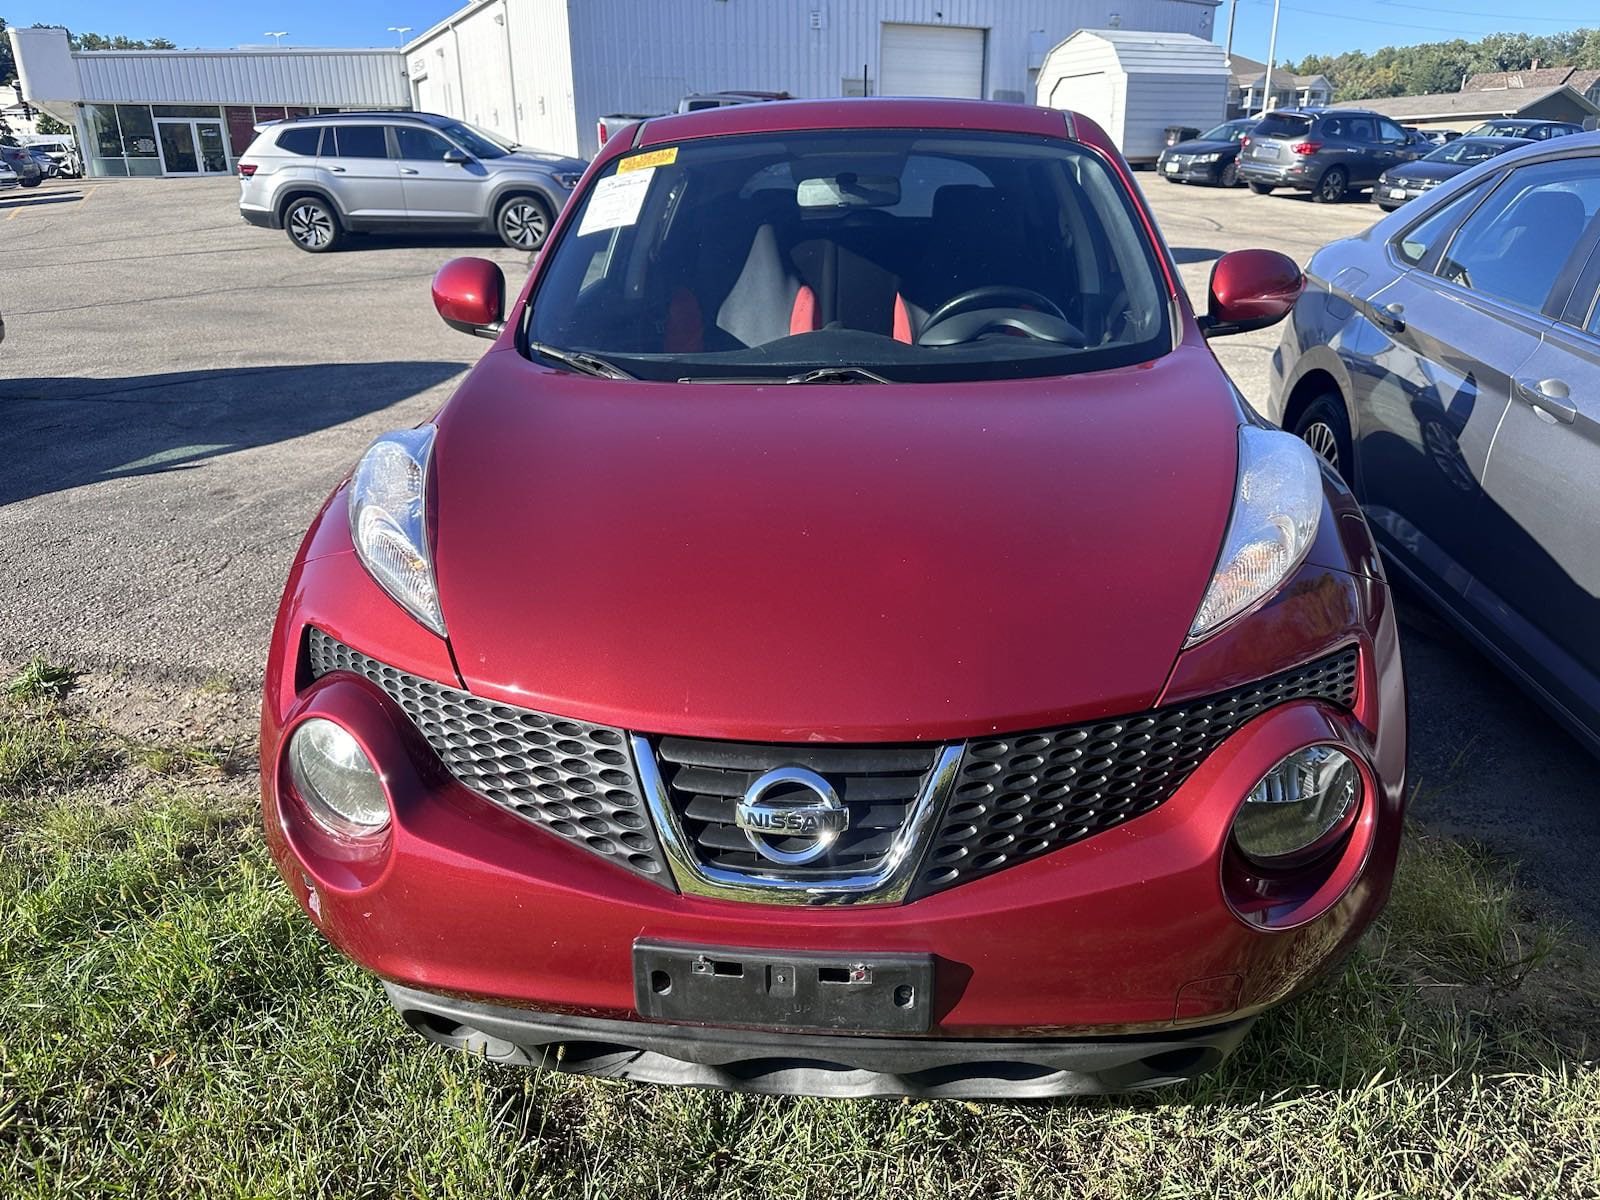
pixel 246 170
pixel 1306 147
pixel 1244 141
pixel 601 125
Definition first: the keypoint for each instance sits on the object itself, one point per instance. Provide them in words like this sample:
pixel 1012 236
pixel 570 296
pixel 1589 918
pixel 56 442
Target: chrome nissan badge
pixel 803 805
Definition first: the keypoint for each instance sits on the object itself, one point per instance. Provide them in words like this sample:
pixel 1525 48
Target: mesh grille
pixel 1017 797
pixel 877 784
pixel 574 779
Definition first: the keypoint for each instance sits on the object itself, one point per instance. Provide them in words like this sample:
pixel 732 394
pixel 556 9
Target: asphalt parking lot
pixel 178 391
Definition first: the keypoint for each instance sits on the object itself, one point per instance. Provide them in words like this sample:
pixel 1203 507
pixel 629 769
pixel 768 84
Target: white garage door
pixel 931 60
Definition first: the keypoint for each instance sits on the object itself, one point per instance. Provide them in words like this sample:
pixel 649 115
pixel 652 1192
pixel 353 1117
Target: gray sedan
pixel 1447 364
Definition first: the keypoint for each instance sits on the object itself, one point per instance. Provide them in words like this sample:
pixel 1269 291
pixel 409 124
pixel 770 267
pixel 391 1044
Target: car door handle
pixel 408 170
pixel 1549 396
pixel 1391 317
pixel 337 170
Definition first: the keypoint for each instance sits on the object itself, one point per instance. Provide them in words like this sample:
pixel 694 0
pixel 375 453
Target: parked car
pixel 8 177
pixel 1328 152
pixel 1523 128
pixel 321 177
pixel 808 602
pixel 61 152
pixel 27 168
pixel 1210 158
pixel 1447 364
pixel 1440 137
pixel 693 102
pixel 1412 179
pixel 47 165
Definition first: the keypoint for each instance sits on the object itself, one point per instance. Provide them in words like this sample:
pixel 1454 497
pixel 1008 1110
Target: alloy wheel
pixel 310 225
pixel 523 224
pixel 1324 443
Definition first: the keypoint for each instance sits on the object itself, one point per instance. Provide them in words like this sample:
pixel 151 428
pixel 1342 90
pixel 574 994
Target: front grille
pixel 876 784
pixel 576 780
pixel 1017 797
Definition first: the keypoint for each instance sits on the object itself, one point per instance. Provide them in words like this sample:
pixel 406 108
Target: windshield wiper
pixel 582 361
pixel 819 375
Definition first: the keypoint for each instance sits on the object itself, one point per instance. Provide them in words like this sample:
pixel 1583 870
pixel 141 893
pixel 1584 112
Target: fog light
pixel 337 780
pixel 1305 798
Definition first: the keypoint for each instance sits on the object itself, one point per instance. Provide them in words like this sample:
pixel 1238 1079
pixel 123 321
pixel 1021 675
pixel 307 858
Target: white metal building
pixel 1135 84
pixel 543 71
pixel 192 112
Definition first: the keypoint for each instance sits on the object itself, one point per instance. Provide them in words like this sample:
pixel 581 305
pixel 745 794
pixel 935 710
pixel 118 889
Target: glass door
pixel 191 147
pixel 176 139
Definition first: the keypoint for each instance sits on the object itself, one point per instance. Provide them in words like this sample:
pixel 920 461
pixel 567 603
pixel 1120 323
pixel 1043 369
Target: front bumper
pixel 1190 172
pixel 785 1063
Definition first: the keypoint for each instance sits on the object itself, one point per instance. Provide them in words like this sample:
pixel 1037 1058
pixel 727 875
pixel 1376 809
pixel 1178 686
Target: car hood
pixel 1200 146
pixel 1417 172
pixel 858 562
pixel 544 161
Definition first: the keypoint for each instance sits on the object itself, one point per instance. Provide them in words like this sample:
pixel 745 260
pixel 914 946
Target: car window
pixel 1420 242
pixel 419 144
pixel 1334 127
pixel 1230 131
pixel 1388 131
pixel 1514 247
pixel 1282 125
pixel 1361 129
pixel 479 143
pixel 301 139
pixel 918 255
pixel 359 141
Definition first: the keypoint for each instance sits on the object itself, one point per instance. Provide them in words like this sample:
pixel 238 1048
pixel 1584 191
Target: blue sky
pixel 1307 26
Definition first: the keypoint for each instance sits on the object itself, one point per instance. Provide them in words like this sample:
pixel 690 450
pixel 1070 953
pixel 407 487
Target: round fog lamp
pixel 1303 799
pixel 336 779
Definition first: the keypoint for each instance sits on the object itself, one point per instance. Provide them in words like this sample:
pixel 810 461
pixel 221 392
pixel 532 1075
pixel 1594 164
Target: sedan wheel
pixel 312 226
pixel 1324 428
pixel 1230 175
pixel 524 223
pixel 1319 436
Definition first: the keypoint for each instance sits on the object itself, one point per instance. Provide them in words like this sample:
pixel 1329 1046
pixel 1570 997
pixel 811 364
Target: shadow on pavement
pixel 61 433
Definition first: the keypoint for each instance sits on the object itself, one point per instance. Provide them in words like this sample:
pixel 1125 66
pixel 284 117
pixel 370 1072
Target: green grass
pixel 40 680
pixel 171 1026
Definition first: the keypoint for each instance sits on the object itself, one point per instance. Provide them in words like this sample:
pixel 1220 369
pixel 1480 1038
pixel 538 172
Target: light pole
pixel 1272 56
pixel 399 32
pixel 277 38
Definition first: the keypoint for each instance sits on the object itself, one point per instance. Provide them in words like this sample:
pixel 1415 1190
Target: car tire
pixel 1229 178
pixel 1324 427
pixel 34 182
pixel 1261 189
pixel 523 222
pixel 312 225
pixel 1332 186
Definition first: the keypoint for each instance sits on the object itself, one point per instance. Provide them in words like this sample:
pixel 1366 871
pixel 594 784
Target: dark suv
pixel 1327 152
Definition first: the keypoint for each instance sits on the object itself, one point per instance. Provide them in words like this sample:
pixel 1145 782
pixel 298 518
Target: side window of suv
pixel 300 139
pixel 1391 134
pixel 421 145
pixel 1514 247
pixel 1360 129
pixel 358 141
pixel 1333 127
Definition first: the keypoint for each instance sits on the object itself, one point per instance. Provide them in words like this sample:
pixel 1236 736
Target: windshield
pixel 1228 131
pixel 1501 129
pixel 1465 151
pixel 912 255
pixel 479 143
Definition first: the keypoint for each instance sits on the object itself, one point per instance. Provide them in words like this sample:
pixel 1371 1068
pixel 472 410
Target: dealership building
pixel 542 72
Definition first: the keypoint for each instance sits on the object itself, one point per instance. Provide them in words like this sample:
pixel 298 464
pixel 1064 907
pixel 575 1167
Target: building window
pixel 139 139
pixel 105 141
pixel 241 127
pixel 186 110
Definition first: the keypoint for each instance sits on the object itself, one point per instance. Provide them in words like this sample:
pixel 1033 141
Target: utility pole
pixel 1233 13
pixel 1272 56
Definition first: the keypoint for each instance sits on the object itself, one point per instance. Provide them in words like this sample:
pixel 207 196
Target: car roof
pixel 366 115
pixel 876 112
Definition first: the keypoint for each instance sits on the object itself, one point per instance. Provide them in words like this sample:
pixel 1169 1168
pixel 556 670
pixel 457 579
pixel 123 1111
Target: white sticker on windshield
pixel 616 201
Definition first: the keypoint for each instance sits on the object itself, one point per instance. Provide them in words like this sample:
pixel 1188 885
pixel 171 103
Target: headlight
pixel 568 179
pixel 1301 801
pixel 388 521
pixel 1276 506
pixel 336 779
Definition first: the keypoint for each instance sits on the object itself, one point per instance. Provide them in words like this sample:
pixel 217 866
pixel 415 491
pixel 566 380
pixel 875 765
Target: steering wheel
pixel 997 306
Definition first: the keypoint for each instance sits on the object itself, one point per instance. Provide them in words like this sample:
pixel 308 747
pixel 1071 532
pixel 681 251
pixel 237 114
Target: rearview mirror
pixel 457 156
pixel 470 294
pixel 1250 289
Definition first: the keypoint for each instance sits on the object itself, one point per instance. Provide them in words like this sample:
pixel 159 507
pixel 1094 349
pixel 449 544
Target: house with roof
pixel 1585 82
pixel 1462 110
pixel 1247 91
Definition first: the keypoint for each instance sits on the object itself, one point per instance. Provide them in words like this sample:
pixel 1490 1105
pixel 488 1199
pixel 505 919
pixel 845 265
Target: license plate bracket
pixel 785 989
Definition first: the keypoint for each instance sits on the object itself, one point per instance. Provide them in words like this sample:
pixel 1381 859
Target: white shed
pixel 1135 84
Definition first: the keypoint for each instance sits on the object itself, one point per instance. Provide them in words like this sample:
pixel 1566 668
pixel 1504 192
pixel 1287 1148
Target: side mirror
pixel 470 294
pixel 1250 289
pixel 457 156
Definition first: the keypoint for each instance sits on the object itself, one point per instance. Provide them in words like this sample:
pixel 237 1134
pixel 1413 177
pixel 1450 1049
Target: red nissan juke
pixel 847 636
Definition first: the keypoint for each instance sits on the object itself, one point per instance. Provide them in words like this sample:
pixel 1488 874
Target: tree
pixel 99 41
pixel 48 124
pixel 8 64
pixel 1442 66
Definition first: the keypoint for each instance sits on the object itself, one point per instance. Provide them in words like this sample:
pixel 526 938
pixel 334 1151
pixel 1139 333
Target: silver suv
pixel 323 176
